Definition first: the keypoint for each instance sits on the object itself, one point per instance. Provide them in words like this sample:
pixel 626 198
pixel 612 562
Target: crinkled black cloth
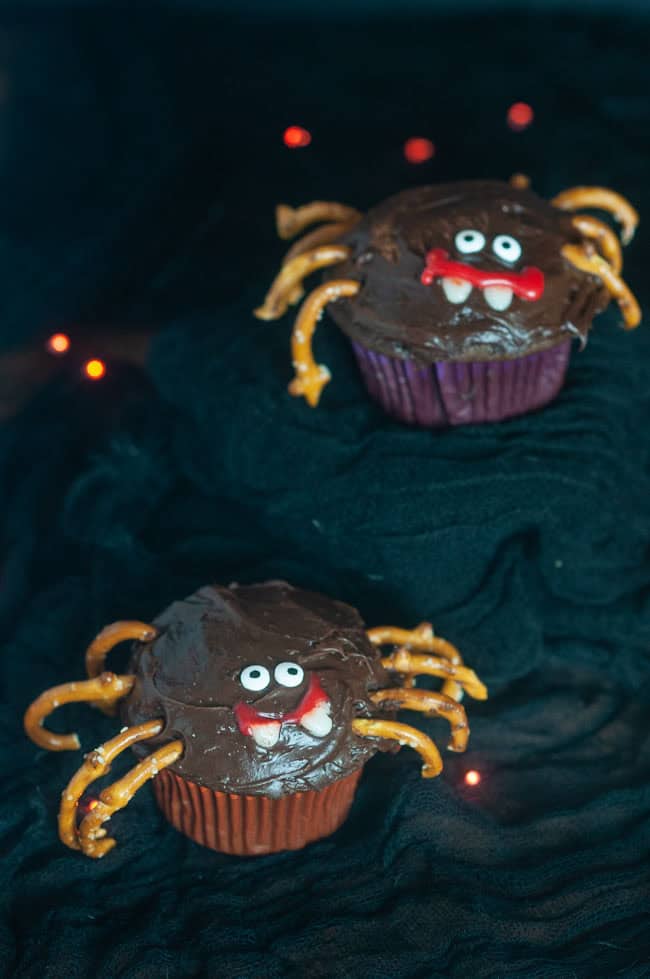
pixel 526 543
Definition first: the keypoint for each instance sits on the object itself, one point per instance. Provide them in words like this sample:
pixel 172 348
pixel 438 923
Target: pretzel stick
pixel 106 688
pixel 575 198
pixel 288 282
pixel 432 703
pixel 311 378
pixel 596 265
pixel 102 644
pixel 405 735
pixel 92 836
pixel 96 764
pixel 420 638
pixel 408 663
pixel 607 241
pixel 325 235
pixel 290 221
pixel 520 181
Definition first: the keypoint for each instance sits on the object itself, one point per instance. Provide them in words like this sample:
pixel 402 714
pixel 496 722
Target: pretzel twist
pixel 107 688
pixel 421 638
pixel 92 837
pixel 602 199
pixel 404 735
pixel 432 703
pixel 311 378
pixel 327 234
pixel 96 764
pixel 405 662
pixel 290 221
pixel 596 265
pixel 287 285
pixel 604 237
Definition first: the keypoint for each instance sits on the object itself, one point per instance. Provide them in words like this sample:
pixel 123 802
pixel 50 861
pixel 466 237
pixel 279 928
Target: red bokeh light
pixel 520 116
pixel 295 137
pixel 58 343
pixel 94 369
pixel 472 777
pixel 418 149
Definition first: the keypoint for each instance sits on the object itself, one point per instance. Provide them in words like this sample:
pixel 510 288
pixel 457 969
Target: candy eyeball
pixel 289 674
pixel 506 248
pixel 255 678
pixel 469 241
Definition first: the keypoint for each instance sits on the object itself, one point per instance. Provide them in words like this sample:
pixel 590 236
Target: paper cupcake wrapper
pixel 251 825
pixel 463 393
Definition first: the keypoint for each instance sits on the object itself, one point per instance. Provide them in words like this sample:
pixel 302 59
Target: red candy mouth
pixel 312 713
pixel 527 284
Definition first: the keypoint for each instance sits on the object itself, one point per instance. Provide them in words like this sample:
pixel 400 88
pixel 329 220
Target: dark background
pixel 140 160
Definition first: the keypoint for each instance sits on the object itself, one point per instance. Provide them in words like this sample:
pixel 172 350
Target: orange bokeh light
pixel 58 343
pixel 520 116
pixel 418 149
pixel 295 137
pixel 472 777
pixel 94 369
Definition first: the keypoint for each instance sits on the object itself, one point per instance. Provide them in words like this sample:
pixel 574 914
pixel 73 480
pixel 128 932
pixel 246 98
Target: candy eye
pixel 469 241
pixel 255 678
pixel 506 248
pixel 289 674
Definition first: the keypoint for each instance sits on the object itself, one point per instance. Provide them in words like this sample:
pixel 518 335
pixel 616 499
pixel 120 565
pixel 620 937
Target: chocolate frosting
pixel 395 314
pixel 191 676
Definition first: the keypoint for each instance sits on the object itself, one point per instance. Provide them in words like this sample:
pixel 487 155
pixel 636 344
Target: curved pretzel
pixel 92 836
pixel 520 181
pixel 393 731
pixel 422 638
pixel 110 636
pixel 596 265
pixel 107 688
pixel 311 378
pixel 603 199
pixel 287 285
pixel 419 664
pixel 290 221
pixel 603 236
pixel 432 703
pixel 327 234
pixel 96 764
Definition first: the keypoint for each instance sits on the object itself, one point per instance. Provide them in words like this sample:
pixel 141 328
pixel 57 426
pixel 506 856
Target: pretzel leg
pixel 92 837
pixel 419 664
pixel 431 703
pixel 602 199
pixel 311 378
pixel 404 735
pixel 287 286
pixel 102 644
pixel 107 688
pixel 617 288
pixel 604 237
pixel 290 221
pixel 421 638
pixel 327 234
pixel 96 764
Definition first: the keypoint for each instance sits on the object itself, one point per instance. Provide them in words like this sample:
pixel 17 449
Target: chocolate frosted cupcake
pixel 254 709
pixel 460 300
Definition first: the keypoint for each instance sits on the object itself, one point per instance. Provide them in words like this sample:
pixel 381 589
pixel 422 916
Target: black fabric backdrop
pixel 141 159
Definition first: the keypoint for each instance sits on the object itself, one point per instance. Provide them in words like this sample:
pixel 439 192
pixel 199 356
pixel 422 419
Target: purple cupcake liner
pixel 463 393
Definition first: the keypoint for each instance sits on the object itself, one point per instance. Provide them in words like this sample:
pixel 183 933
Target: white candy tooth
pixel 498 297
pixel 266 735
pixel 456 290
pixel 318 721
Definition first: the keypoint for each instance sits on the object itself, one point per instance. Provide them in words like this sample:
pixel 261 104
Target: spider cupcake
pixel 254 709
pixel 460 300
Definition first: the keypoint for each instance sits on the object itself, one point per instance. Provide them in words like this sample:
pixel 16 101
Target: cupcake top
pixel 465 271
pixel 261 683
